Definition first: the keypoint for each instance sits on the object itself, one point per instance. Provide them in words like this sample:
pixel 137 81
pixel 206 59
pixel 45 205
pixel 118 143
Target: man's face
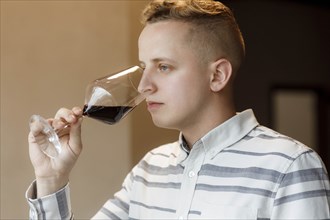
pixel 176 81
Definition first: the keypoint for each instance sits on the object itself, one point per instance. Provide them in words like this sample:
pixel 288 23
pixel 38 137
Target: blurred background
pixel 50 50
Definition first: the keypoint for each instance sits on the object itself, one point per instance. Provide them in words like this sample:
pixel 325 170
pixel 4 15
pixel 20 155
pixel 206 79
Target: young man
pixel 224 165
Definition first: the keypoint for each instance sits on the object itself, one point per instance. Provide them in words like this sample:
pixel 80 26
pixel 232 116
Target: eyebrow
pixel 157 60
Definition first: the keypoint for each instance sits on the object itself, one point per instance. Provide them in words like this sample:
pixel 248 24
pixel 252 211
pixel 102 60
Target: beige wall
pixel 50 50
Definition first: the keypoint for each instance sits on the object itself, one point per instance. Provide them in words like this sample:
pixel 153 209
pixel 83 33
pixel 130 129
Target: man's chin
pixel 163 123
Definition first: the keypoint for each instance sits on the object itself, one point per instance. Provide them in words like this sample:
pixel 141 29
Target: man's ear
pixel 221 71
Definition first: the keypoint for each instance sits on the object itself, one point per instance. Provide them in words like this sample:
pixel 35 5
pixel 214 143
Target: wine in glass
pixel 108 99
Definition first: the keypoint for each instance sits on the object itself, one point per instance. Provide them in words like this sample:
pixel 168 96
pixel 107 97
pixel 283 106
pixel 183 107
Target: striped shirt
pixel 239 170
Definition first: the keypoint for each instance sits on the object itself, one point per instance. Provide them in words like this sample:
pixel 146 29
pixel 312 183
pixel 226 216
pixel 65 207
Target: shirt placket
pixel 192 165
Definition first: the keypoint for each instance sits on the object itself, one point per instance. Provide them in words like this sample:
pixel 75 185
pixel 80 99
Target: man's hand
pixel 52 174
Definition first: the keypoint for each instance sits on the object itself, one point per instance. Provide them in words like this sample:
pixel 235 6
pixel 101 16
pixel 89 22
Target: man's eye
pixel 163 67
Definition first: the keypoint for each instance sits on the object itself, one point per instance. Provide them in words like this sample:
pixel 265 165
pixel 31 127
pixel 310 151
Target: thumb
pixel 75 142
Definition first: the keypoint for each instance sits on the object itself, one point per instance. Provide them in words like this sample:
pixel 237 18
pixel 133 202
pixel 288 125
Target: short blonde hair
pixel 214 31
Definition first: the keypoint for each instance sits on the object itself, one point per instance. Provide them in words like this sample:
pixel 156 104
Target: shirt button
pixel 191 174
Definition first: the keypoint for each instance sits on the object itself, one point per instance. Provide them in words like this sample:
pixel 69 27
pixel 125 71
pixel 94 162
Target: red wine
pixel 106 114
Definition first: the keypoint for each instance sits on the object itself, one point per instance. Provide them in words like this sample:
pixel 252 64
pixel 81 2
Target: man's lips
pixel 153 105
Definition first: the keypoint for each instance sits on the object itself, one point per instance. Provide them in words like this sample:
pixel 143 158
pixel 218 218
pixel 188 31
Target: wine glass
pixel 108 99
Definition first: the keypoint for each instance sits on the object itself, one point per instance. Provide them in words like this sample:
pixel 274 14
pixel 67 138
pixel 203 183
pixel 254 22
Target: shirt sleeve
pixel 303 192
pixel 53 206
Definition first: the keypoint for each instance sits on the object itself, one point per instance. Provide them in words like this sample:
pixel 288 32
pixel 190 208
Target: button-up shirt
pixel 239 170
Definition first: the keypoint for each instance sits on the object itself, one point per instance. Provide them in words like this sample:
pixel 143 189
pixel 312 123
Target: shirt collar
pixel 226 134
pixel 183 144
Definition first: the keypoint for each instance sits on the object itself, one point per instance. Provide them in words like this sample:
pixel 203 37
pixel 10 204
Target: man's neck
pixel 194 133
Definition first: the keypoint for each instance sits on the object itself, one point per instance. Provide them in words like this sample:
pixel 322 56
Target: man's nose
pixel 146 84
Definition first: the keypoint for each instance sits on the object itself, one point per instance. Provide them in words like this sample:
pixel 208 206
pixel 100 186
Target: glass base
pixel 51 146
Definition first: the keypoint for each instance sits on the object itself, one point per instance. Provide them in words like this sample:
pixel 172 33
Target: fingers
pixel 67 124
pixel 66 116
pixel 36 143
pixel 35 126
pixel 37 139
pixel 72 117
pixel 75 142
pixel 77 111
